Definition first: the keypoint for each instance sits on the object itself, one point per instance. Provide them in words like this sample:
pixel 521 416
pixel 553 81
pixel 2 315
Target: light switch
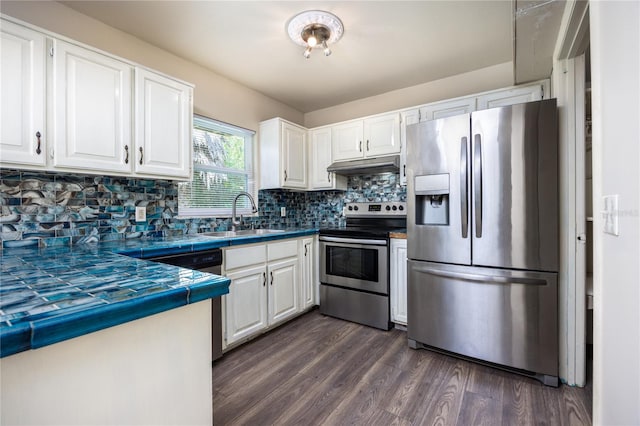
pixel 141 214
pixel 610 214
pixel 283 211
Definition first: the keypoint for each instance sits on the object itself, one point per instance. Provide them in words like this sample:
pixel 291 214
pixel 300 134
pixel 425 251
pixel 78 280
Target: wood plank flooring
pixel 318 370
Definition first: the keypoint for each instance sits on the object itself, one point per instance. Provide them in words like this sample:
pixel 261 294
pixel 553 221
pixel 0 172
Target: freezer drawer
pixel 499 316
pixel 357 306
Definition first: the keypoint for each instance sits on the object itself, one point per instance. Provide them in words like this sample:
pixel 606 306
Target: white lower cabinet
pixel 283 290
pixel 308 272
pixel 399 281
pixel 268 286
pixel 246 304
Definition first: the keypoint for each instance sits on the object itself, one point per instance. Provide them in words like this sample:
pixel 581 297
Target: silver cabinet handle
pixel 38 136
pixel 305 250
pixel 141 155
pixel 477 184
pixel 271 273
pixel 126 150
pixel 360 146
pixel 493 279
pixel 367 144
pixel 329 176
pixel 464 196
pixel 264 279
pixel 285 175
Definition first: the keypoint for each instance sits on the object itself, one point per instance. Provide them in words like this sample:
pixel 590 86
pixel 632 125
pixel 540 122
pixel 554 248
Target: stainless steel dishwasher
pixel 205 261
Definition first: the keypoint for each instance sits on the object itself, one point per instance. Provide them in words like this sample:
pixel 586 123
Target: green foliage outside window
pixel 222 169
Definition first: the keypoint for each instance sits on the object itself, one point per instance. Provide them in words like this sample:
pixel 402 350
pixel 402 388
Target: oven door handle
pixel 354 241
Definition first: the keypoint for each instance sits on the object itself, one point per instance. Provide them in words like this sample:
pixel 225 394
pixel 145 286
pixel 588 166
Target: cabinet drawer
pixel 282 250
pixel 244 256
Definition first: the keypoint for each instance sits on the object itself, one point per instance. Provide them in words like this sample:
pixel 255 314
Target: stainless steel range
pixel 354 263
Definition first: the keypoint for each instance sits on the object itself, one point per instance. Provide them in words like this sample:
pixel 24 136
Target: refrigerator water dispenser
pixel 432 199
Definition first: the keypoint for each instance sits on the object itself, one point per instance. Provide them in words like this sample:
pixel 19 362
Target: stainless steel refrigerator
pixel 482 231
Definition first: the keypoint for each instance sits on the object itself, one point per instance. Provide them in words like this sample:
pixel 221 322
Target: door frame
pixel 569 87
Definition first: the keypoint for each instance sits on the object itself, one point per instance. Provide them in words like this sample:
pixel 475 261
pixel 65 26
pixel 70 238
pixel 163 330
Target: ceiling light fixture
pixel 315 28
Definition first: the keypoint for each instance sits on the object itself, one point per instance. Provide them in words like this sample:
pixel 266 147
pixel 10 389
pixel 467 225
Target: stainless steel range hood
pixel 366 166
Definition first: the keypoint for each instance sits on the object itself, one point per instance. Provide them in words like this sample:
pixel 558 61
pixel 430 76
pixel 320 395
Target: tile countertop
pixel 52 294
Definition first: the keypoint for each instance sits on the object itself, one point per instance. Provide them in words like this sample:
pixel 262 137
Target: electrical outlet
pixel 283 211
pixel 610 214
pixel 141 214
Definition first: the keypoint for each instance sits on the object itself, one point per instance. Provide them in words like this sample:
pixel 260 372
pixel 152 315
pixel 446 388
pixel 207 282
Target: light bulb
pixel 307 52
pixel 312 41
pixel 327 51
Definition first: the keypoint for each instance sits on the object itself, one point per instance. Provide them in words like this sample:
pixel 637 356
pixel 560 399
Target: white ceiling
pixel 387 45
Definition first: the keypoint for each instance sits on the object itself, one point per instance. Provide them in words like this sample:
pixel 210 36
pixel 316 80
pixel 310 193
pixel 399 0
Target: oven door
pixel 360 264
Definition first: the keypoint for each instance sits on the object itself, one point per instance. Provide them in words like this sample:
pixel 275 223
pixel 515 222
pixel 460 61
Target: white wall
pixel 484 79
pixel 152 371
pixel 615 59
pixel 214 96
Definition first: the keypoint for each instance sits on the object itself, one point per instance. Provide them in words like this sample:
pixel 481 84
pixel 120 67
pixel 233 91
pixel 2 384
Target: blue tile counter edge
pixel 67 292
pixel 57 329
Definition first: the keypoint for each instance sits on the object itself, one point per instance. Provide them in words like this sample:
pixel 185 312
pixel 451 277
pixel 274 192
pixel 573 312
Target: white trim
pixel 570 93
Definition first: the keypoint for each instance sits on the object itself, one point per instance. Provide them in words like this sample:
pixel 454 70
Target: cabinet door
pixel 92 110
pixel 283 289
pixel 163 126
pixel 294 156
pixel 447 109
pixel 319 159
pixel 382 135
pixel 245 304
pixel 407 118
pixel 399 281
pixel 516 95
pixel 307 273
pixel 22 73
pixel 346 141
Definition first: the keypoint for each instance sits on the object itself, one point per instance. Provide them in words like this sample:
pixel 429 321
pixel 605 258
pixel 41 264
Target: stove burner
pixel 371 220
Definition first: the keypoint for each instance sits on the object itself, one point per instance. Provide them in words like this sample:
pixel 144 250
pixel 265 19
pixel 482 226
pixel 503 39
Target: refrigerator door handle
pixel 464 197
pixel 477 184
pixel 480 277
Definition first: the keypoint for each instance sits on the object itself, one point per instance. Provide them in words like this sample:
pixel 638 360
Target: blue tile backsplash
pixel 58 209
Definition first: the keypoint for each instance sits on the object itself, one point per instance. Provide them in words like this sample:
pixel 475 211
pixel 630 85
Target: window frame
pixel 210 124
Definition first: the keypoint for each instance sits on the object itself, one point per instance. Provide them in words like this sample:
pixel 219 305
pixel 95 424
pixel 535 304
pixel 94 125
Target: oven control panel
pixel 388 208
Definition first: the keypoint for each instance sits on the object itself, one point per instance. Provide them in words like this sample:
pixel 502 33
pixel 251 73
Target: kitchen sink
pixel 241 233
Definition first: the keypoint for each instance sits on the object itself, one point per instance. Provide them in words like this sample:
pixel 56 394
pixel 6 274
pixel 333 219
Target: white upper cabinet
pixel 447 108
pixel 407 118
pixel 163 125
pixel 319 159
pixel 92 110
pixel 283 155
pixel 68 107
pixel 382 135
pixel 514 95
pixel 22 72
pixel 346 140
pixel 371 137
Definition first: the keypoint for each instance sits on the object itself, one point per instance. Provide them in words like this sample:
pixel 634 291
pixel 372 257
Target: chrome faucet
pixel 234 221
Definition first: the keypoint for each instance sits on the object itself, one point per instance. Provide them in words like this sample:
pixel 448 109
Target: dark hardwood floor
pixel 318 370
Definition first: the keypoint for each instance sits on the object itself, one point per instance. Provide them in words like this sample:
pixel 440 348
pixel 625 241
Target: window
pixel 222 168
